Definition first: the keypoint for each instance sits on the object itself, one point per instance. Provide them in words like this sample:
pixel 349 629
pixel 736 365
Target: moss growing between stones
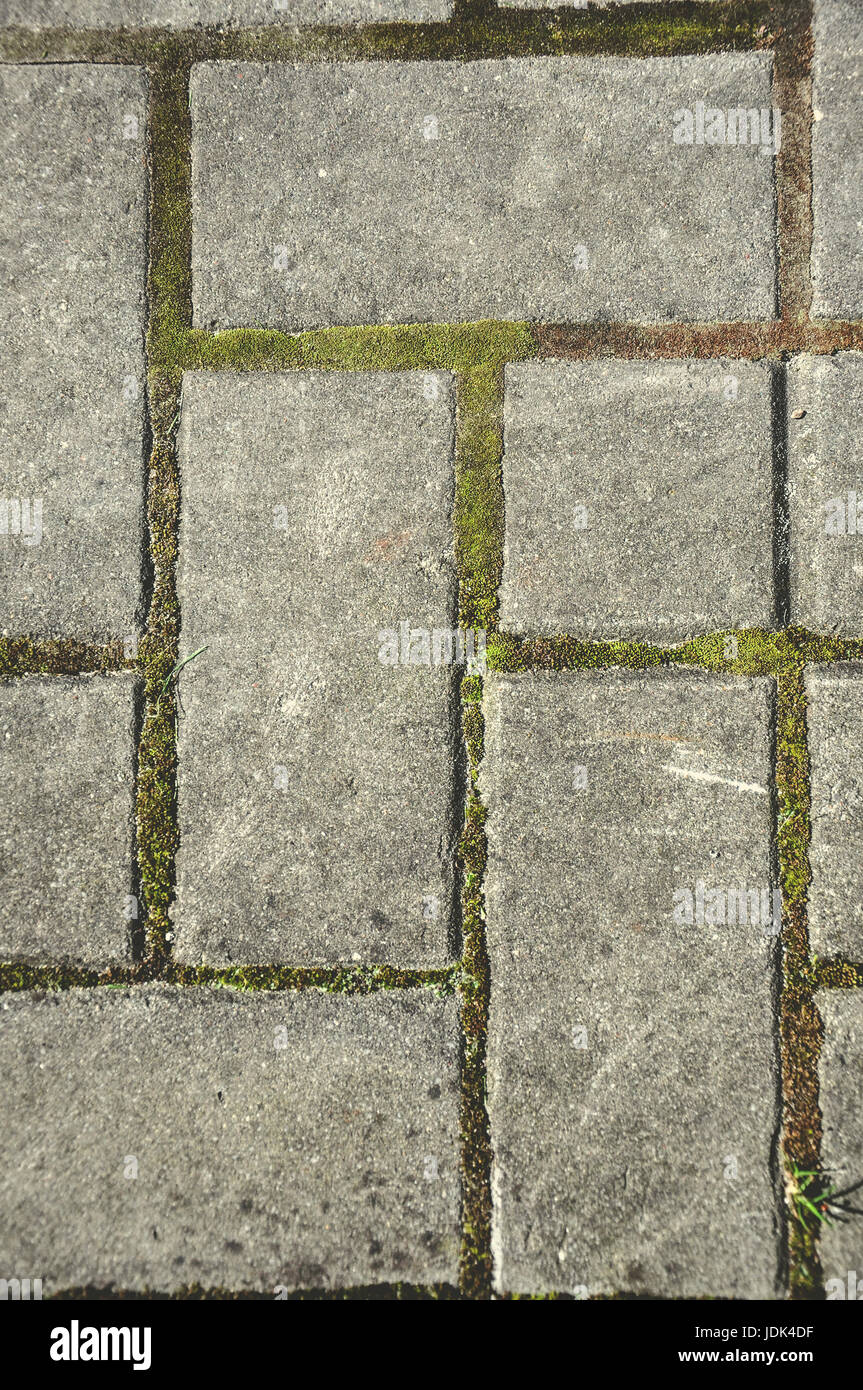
pixel 20 656
pixel 477 30
pixel 157 752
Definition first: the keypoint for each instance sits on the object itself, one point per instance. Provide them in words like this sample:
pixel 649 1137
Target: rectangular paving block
pixel 837 160
pixel 192 14
pixel 841 1101
pixel 639 498
pixel 67 760
pixel 835 723
pixel 159 1137
pixel 72 229
pixel 824 447
pixel 535 188
pixel 318 748
pixel 633 1084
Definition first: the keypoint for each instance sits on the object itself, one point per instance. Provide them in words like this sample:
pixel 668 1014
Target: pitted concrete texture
pixel 67 762
pixel 638 498
pixel 534 188
pixel 160 1137
pixel 318 751
pixel 72 226
pixel 633 1079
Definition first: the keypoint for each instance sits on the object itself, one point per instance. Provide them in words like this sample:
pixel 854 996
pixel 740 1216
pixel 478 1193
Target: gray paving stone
pixel 632 1058
pixel 72 233
pixel 160 1137
pixel 837 160
pixel 602 541
pixel 824 448
pixel 538 188
pixel 841 1101
pixel 67 751
pixel 317 787
pixel 835 723
pixel 190 14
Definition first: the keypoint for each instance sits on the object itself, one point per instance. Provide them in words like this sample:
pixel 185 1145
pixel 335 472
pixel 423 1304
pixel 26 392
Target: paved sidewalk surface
pixel 431 648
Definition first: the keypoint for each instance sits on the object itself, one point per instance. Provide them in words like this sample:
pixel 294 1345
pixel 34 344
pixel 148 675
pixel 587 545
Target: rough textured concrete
pixel 835 723
pixel 824 448
pixel 190 14
pixel 539 188
pixel 72 228
pixel 316 784
pixel 638 498
pixel 841 1101
pixel 304 1140
pixel 67 749
pixel 837 160
pixel 632 1058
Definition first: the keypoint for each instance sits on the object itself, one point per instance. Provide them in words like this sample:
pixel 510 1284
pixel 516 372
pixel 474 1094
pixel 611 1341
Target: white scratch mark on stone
pixel 714 777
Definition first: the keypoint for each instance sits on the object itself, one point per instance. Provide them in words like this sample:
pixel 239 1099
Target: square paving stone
pixel 318 796
pixel 157 1138
pixel 837 160
pixel 192 14
pixel 72 233
pixel 633 1082
pixel 824 447
pixel 67 758
pixel 841 1101
pixel 835 723
pixel 535 188
pixel 639 498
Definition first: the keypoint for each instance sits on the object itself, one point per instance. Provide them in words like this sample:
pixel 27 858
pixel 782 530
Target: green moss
pixel 479 492
pixel 158 835
pixel 382 348
pixel 340 979
pixel 170 263
pixel 20 656
pixel 476 31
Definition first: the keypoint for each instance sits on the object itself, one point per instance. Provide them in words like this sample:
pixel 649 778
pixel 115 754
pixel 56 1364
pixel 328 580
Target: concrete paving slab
pixel 318 748
pixel 561 189
pixel 834 720
pixel 72 228
pixel 837 160
pixel 639 498
pixel 194 14
pixel 841 1101
pixel 633 1083
pixel 161 1137
pixel 824 442
pixel 67 761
